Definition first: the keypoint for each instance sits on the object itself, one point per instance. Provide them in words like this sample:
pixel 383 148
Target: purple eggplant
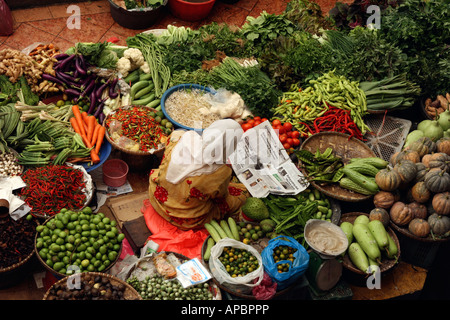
pixel 88 89
pixel 99 109
pixel 61 56
pixel 99 90
pixel 51 78
pixel 79 69
pixel 64 64
pixel 72 92
pixel 112 89
pixel 101 117
pixel 93 102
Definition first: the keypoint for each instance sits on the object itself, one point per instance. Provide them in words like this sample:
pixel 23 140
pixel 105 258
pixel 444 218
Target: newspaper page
pixel 262 164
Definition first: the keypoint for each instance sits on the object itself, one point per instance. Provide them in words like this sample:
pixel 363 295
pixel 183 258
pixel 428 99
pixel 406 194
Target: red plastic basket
pixel 115 172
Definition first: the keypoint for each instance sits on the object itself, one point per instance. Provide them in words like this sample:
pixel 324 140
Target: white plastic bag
pixel 242 284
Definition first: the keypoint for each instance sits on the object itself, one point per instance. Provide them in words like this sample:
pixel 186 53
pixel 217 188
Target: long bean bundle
pixel 154 56
pixel 390 93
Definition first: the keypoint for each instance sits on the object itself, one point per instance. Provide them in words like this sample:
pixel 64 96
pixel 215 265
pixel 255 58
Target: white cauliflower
pixel 135 56
pixel 124 66
pixel 145 68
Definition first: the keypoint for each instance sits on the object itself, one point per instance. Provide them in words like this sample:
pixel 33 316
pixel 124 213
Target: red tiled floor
pixel 32 14
pixel 53 26
pixel 26 35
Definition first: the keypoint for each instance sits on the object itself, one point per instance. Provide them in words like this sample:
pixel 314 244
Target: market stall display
pixel 298 77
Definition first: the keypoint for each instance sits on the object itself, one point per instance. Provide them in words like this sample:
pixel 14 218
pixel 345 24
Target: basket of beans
pixel 91 286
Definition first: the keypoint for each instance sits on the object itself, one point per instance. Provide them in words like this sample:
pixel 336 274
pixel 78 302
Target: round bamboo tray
pixel 214 288
pixel 129 294
pixel 386 264
pixel 60 275
pixel 344 147
pixel 404 231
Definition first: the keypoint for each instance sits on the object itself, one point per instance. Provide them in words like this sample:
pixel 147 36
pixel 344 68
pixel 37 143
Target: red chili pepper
pixel 53 187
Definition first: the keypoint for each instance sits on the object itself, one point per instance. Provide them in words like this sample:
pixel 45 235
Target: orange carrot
pixel 75 125
pixel 84 116
pixel 94 135
pixel 79 118
pixel 91 121
pixel 100 136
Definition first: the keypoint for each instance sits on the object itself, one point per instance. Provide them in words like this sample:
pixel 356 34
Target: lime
pixel 60 103
pixel 85 263
pixel 87 210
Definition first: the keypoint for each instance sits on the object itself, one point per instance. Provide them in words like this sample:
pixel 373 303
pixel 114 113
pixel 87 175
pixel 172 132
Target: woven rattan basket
pixel 129 294
pixel 386 264
pixel 136 160
pixel 344 147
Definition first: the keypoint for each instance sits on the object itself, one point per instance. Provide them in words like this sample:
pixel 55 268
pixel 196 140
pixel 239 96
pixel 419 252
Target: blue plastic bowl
pixel 105 151
pixel 171 90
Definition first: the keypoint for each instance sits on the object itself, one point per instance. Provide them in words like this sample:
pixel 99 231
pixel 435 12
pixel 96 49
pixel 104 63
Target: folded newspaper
pixel 262 164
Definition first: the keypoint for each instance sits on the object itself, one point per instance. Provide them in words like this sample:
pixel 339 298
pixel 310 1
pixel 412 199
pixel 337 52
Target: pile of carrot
pixel 90 131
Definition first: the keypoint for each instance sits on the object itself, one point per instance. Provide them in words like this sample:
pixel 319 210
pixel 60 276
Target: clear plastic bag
pixel 244 284
pixel 6 20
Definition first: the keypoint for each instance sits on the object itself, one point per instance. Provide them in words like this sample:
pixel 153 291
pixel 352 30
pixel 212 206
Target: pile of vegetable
pixel 89 241
pixel 369 243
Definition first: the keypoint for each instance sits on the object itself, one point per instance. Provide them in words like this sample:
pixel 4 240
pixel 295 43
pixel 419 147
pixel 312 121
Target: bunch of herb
pixel 421 30
pixel 265 28
pixel 254 86
pixel 348 16
pixel 307 16
pixel 308 58
pixel 226 38
pixel 187 57
pixel 369 57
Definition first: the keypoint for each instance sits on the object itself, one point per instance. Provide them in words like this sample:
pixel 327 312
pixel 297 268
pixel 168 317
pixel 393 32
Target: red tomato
pixel 286 145
pixel 287 126
pixel 289 134
pixel 257 122
pixel 257 118
pixel 276 122
pixel 283 138
pixel 246 126
pixel 251 122
pixel 263 119
pixel 295 134
pixel 295 142
pixel 290 141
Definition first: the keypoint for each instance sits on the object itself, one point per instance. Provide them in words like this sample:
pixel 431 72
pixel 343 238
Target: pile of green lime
pixel 78 241
pixel 164 123
pixel 282 253
pixel 250 232
pixel 238 262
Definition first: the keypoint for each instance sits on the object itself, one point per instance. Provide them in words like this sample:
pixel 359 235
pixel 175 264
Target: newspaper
pixel 262 164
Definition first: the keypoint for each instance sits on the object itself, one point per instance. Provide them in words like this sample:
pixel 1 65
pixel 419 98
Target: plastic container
pixel 190 10
pixel 115 172
pixel 136 19
pixel 171 90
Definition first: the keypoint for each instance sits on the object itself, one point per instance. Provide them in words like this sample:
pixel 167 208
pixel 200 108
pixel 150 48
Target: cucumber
pixel 364 168
pixel 209 244
pixel 233 228
pixel 145 76
pixel 137 87
pixel 219 230
pixel 361 219
pixel 144 91
pixel 373 265
pixel 213 232
pixel 361 180
pixel 374 161
pixel 358 257
pixel 145 100
pixel 154 104
pixel 391 249
pixel 379 233
pixel 226 228
pixel 347 227
pixel 365 239
pixel 348 184
pixel 132 77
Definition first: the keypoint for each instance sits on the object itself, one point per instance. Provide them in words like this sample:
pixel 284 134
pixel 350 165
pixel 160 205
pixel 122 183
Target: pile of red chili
pixel 139 126
pixel 336 120
pixel 53 187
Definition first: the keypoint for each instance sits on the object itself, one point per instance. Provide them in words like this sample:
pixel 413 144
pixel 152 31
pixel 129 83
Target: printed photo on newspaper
pixel 262 164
